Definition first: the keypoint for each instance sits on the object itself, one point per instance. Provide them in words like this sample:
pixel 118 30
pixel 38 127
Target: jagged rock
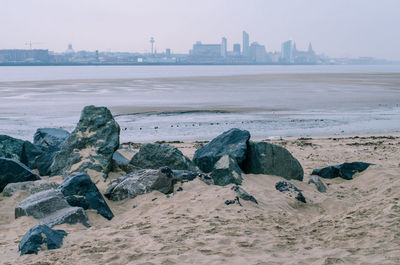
pixel 45 160
pixel 90 146
pixel 69 215
pixel 226 171
pixel 79 190
pixel 51 207
pixel 154 156
pixel 243 194
pixel 41 204
pixel 232 143
pixel 290 189
pixel 50 137
pixel 34 239
pixel 271 159
pixel 31 187
pixel 12 171
pixel 345 170
pixel 318 183
pixel 141 182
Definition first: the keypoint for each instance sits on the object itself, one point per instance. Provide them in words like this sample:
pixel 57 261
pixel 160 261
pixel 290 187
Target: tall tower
pixel 223 47
pixel 152 45
pixel 246 44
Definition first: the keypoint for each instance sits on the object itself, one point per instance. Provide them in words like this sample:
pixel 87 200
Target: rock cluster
pixel 38 236
pixel 345 170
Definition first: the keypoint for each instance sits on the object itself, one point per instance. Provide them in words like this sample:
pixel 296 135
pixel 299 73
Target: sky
pixel 337 28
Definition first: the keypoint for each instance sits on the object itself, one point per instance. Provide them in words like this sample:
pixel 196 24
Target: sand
pixel 355 222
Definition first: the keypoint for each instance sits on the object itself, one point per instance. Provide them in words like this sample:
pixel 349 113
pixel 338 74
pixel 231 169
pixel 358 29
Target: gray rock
pixel 38 236
pixel 318 183
pixel 226 171
pixel 290 189
pixel 271 159
pixel 79 190
pixel 69 215
pixel 50 137
pixel 242 194
pixel 31 187
pixel 90 146
pixel 12 171
pixel 123 156
pixel 41 204
pixel 232 143
pixel 141 182
pixel 154 156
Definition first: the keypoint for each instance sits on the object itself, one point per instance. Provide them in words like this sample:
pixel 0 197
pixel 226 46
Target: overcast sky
pixel 334 27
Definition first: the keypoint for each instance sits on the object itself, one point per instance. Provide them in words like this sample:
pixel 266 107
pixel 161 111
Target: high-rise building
pixel 168 52
pixel 257 53
pixel 287 52
pixel 246 44
pixel 223 47
pixel 236 49
pixel 201 50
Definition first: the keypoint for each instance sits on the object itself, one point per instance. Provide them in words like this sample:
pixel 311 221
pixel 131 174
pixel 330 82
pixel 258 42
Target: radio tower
pixel 152 45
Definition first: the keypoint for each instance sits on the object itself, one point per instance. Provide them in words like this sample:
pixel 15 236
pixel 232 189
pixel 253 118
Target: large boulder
pixel 154 156
pixel 232 143
pixel 226 171
pixel 31 187
pixel 12 171
pixel 141 182
pixel 271 159
pixel 345 170
pixel 11 148
pixel 79 190
pixel 38 236
pixel 90 146
pixel 45 160
pixel 50 137
pixel 41 204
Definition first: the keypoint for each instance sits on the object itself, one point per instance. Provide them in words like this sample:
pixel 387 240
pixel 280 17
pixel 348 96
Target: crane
pixel 30 43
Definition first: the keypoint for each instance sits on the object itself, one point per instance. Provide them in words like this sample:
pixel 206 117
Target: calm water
pixel 36 73
pixel 199 102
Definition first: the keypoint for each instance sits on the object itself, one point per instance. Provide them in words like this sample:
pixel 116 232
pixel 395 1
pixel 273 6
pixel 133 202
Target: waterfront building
pixel 224 47
pixel 257 53
pixel 208 51
pixel 287 52
pixel 236 49
pixel 24 56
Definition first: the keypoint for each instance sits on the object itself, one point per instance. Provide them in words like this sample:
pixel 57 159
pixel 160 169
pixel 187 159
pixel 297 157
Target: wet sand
pixel 355 222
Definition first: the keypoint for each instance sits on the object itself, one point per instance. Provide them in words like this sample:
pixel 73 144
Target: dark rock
pixel 271 159
pixel 45 160
pixel 179 189
pixel 30 154
pixel 153 199
pixel 290 189
pixel 226 171
pixel 79 190
pixel 154 156
pixel 345 170
pixel 140 182
pixel 12 171
pixel 51 207
pixel 90 146
pixel 11 148
pixel 50 137
pixel 184 175
pixel 34 239
pixel 232 143
pixel 31 187
pixel 120 156
pixel 69 215
pixel 206 179
pixel 41 204
pixel 236 200
pixel 243 194
pixel 318 183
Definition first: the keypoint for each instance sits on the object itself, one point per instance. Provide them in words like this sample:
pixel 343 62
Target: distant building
pixel 287 52
pixel 236 49
pixel 206 50
pixel 24 56
pixel 168 53
pixel 224 47
pixel 246 44
pixel 69 49
pixel 257 53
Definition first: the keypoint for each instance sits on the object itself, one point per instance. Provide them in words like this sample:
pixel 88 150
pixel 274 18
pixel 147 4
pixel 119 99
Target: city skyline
pixel 338 28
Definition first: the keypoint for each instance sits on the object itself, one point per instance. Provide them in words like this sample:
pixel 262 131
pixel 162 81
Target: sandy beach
pixel 355 222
